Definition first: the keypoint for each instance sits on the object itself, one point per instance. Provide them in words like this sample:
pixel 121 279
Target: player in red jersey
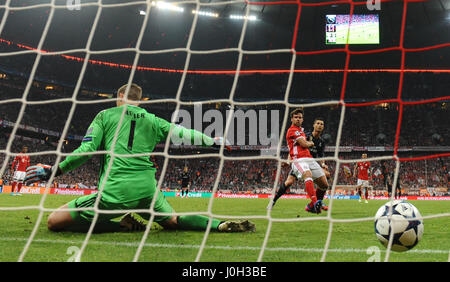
pixel 303 165
pixel 19 167
pixel 362 172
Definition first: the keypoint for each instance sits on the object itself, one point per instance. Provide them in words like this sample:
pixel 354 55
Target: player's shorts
pixel 86 216
pixel 363 183
pixel 19 176
pixel 300 166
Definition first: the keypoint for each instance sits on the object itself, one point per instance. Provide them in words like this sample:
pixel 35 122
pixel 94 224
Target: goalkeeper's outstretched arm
pixel 181 135
pixel 90 143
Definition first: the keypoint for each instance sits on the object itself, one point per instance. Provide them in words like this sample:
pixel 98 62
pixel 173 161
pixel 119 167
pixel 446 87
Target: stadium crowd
pixel 84 177
pixel 252 175
pixel 422 124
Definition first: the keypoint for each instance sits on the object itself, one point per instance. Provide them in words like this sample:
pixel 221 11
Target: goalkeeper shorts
pixel 86 216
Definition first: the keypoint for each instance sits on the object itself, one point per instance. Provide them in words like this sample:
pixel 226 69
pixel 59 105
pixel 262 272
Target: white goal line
pixel 249 248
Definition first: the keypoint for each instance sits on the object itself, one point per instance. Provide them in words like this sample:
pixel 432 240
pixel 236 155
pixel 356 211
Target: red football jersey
pixel 295 150
pixel 363 170
pixel 20 163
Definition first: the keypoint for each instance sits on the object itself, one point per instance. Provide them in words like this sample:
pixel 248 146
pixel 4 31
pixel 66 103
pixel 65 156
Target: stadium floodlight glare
pixel 204 13
pixel 239 17
pixel 167 6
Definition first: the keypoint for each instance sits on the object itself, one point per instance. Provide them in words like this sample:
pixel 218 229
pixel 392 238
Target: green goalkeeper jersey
pixel 130 177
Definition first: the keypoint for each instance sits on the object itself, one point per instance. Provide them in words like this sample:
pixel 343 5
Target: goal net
pixel 234 69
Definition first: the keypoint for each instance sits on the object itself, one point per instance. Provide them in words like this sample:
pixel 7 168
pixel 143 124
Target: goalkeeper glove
pixel 40 172
pixel 219 141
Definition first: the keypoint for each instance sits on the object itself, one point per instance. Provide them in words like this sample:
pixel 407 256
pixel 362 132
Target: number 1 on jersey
pixel 131 137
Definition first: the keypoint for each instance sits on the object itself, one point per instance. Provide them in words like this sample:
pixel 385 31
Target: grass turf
pixel 295 235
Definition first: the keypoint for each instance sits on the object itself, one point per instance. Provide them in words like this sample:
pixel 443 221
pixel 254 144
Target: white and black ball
pixel 404 220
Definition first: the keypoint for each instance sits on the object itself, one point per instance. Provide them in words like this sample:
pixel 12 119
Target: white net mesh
pixel 138 51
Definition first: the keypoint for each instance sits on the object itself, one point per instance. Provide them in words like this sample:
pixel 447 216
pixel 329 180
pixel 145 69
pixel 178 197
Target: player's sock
pixel 320 193
pixel 309 188
pixel 366 195
pixel 280 192
pixel 19 186
pixel 13 188
pixel 196 222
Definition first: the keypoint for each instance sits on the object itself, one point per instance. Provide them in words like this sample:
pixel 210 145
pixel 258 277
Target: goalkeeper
pixel 130 182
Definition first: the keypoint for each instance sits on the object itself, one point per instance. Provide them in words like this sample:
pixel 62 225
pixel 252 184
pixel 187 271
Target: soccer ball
pixel 401 218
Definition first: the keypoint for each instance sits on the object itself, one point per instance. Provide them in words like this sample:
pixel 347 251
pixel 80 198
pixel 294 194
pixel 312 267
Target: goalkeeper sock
pixel 196 222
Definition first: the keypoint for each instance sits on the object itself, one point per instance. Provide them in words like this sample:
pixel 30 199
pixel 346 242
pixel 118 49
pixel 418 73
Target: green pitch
pixel 292 241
